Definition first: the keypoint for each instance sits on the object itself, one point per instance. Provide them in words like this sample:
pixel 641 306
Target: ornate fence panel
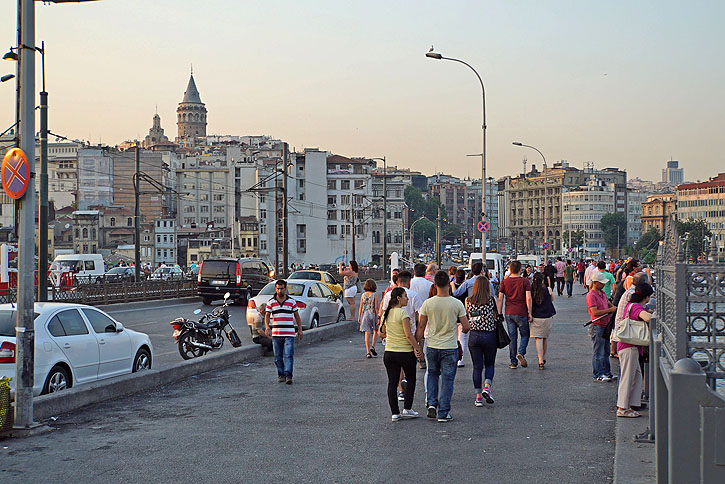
pixel 688 367
pixel 108 293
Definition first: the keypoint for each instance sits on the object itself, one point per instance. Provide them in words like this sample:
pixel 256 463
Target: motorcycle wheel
pixel 186 350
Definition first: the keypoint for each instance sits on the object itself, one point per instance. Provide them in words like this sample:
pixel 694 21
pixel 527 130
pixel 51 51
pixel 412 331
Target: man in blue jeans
pixel 441 314
pixel 516 292
pixel 600 310
pixel 282 310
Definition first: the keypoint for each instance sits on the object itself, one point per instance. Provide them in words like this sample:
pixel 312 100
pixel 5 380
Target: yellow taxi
pixel 322 276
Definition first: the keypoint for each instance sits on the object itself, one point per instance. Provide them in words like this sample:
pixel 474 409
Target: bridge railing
pixel 688 367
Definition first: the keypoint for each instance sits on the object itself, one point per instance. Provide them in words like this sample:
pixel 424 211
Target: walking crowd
pixel 427 319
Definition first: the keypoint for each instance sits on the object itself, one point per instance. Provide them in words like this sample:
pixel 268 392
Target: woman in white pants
pixel 629 391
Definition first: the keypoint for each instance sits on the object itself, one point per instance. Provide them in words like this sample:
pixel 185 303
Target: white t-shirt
pixel 421 286
pixel 588 274
pixel 414 304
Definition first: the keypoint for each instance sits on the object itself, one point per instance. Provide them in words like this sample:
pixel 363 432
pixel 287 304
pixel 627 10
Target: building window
pixel 344 184
pixel 359 184
pixel 301 245
pixel 332 214
pixel 262 229
pixel 332 184
pixel 262 244
pixel 129 221
pixel 263 213
pixel 332 230
pixel 332 200
pixel 113 221
pixel 85 234
pixel 302 183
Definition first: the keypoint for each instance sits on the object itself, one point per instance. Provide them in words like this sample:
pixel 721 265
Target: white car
pixel 74 344
pixel 316 302
pixel 167 274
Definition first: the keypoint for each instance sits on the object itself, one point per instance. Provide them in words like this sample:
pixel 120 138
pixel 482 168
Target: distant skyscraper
pixel 191 114
pixel 673 174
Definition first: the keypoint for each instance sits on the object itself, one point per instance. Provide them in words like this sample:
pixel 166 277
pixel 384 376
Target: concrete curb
pixel 634 463
pixel 47 406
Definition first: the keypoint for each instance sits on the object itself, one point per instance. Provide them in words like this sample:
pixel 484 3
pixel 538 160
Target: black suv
pixel 243 278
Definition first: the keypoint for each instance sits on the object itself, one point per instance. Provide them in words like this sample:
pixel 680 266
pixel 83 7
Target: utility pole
pixel 438 235
pixel 43 205
pixel 137 218
pixel 24 322
pixel 352 215
pixel 285 238
pixel 275 190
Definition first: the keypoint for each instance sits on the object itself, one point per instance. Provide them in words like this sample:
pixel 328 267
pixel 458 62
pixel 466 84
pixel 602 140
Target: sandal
pixel 541 366
pixel 628 413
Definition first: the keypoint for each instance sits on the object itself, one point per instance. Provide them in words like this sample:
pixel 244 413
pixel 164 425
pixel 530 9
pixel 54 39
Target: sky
pixel 619 83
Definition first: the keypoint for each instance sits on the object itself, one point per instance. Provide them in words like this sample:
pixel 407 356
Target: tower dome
pixel 190 115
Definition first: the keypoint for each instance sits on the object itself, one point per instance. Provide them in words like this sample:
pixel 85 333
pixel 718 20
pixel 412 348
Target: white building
pixel 95 177
pixel 206 191
pixel 165 241
pixel 635 199
pixel 62 173
pixel 584 208
pixel 397 238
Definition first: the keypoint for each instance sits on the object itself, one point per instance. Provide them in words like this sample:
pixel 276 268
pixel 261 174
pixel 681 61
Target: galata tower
pixel 190 115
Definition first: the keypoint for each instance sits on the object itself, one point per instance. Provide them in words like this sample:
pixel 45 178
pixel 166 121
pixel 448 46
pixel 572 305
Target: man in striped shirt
pixel 282 310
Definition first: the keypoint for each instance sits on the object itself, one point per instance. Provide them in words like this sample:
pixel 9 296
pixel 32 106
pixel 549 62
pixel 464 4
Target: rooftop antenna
pixel 192 69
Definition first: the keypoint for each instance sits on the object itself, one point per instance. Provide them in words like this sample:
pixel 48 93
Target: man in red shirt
pixel 517 291
pixel 600 310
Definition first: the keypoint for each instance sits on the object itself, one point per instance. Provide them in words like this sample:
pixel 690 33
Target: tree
pixel 577 238
pixel 694 233
pixel 647 243
pixel 614 227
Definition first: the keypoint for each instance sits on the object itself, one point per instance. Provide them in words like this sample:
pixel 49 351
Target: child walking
pixel 368 316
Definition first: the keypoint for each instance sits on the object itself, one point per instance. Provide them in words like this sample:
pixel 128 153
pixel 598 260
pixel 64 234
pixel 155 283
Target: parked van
pixel 494 263
pixel 531 259
pixel 83 268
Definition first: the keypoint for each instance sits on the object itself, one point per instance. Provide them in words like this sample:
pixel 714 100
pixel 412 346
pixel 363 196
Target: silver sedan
pixel 316 302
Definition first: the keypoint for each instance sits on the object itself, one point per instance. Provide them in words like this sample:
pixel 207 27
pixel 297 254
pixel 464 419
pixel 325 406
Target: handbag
pixel 630 331
pixel 502 337
pixel 381 330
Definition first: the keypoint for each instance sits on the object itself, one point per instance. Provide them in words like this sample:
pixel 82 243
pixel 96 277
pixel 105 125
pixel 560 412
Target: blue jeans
pixel 441 363
pixel 482 346
pixel 520 323
pixel 569 285
pixel 284 354
pixel 600 355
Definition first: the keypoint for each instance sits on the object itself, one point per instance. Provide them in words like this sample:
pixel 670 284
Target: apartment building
pixel 396 217
pixel 205 191
pixel 165 241
pixel 584 208
pixel 705 201
pixel 657 211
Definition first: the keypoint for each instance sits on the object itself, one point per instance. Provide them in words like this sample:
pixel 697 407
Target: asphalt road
pixel 333 425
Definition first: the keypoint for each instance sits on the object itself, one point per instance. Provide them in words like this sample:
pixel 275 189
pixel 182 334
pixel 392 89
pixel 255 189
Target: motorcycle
pixel 195 339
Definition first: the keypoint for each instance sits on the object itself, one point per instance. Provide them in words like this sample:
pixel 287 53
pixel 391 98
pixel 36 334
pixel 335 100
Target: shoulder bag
pixel 630 331
pixel 502 337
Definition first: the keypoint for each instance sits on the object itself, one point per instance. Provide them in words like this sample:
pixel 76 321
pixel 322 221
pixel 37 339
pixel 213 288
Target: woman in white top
pixel 349 285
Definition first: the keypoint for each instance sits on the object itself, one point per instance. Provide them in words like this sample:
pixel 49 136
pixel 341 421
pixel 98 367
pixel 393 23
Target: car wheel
pixel 341 316
pixel 315 322
pixel 206 301
pixel 142 361
pixel 58 379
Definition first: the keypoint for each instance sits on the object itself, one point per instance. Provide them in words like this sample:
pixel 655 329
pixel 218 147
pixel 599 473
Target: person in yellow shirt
pixel 401 352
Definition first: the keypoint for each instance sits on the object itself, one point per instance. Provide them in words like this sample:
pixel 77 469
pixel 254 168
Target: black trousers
pixel 395 361
pixel 559 285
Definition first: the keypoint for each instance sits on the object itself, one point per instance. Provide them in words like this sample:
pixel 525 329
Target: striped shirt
pixel 282 319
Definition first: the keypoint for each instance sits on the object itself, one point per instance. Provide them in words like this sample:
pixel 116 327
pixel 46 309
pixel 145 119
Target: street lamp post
pixel 436 55
pixel 546 195
pixel 412 226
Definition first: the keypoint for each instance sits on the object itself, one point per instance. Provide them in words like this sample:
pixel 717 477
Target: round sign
pixel 482 226
pixel 546 246
pixel 570 249
pixel 15 173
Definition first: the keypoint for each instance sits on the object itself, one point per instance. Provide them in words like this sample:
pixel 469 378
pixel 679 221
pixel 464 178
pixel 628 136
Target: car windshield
pixel 7 322
pixel 311 276
pixel 117 270
pixel 64 265
pixel 292 289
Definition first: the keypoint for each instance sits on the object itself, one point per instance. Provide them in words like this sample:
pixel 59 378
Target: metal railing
pixel 687 367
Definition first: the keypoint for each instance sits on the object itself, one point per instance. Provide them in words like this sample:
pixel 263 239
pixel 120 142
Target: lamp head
pixel 7 77
pixel 10 55
pixel 434 55
pixel 517 143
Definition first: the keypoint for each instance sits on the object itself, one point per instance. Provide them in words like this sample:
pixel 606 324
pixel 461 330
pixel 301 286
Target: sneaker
pixel 410 413
pixel 369 355
pixel 461 364
pixel 373 352
pixel 479 401
pixel 513 366
pixel 613 377
pixel 487 395
pixel 289 380
pixel 447 418
pixel 604 378
pixel 522 360
pixel 401 397
pixel 432 412
pixel 280 379
pixel 396 417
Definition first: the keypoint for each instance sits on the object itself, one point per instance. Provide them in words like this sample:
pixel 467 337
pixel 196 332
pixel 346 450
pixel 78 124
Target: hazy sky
pixel 620 83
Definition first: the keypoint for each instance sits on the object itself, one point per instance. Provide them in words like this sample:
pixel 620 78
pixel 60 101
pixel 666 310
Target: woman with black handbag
pixel 482 339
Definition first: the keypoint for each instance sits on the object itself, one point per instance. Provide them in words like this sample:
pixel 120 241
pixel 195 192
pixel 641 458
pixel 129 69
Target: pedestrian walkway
pixel 333 425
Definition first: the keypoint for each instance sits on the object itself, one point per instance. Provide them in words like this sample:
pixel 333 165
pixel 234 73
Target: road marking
pixel 150 308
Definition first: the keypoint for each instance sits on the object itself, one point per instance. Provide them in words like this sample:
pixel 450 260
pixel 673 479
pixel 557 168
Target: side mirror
pixel 197 311
pixel 119 327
